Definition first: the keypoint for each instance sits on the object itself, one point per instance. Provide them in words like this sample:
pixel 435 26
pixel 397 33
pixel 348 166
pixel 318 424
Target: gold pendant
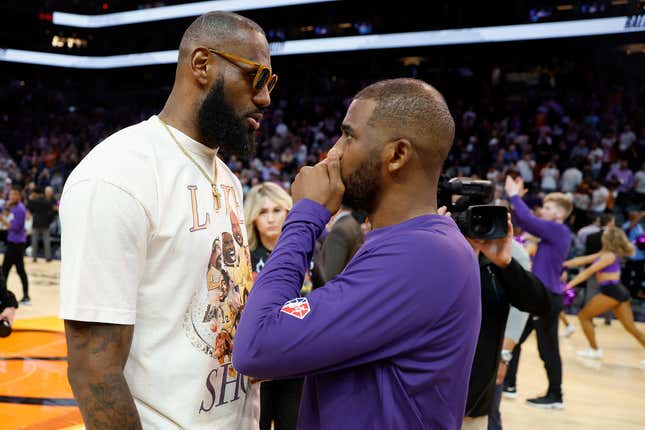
pixel 216 196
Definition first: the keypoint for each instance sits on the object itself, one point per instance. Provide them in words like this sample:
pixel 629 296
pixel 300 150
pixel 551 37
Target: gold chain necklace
pixel 213 182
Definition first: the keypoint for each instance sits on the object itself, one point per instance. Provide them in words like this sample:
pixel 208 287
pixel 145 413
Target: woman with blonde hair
pixel 613 295
pixel 265 209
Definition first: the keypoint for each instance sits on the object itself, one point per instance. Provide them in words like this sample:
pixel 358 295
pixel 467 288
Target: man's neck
pixel 180 116
pixel 397 207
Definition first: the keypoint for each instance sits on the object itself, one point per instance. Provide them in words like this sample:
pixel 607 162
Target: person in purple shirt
pixel 623 174
pixel 555 241
pixel 625 178
pixel 389 342
pixel 13 219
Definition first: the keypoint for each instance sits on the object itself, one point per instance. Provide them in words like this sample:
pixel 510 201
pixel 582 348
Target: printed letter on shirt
pixel 193 198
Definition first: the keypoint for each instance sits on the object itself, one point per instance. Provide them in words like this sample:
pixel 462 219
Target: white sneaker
pixel 595 354
pixel 568 330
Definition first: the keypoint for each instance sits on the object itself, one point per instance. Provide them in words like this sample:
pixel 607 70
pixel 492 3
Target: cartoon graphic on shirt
pixel 214 313
pixel 230 254
pixel 236 226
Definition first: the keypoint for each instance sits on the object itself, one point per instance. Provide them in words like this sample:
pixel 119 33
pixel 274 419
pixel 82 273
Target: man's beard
pixel 363 185
pixel 219 126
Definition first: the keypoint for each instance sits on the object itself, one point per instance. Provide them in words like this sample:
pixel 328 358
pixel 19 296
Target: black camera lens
pixel 481 225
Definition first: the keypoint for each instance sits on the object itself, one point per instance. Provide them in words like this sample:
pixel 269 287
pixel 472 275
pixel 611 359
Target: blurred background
pixel 537 88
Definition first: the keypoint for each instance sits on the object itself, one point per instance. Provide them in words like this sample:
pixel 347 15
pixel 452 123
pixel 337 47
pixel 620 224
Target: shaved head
pixel 414 110
pixel 216 30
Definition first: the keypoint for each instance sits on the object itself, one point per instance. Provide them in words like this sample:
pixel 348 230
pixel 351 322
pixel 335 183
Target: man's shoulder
pixel 435 238
pixel 122 157
pixel 127 142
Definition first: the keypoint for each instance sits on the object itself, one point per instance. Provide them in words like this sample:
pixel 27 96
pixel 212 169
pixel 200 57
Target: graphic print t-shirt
pixel 145 243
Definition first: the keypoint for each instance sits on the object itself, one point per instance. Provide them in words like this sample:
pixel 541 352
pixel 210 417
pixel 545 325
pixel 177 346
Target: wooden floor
pixel 607 395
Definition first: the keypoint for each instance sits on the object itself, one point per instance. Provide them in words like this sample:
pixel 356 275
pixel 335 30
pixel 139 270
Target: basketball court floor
pixel 602 395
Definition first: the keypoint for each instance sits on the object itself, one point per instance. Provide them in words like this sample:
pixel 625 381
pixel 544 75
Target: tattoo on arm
pixel 97 355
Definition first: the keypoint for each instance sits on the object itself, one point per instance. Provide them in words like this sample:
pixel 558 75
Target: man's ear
pixel 199 65
pixel 398 154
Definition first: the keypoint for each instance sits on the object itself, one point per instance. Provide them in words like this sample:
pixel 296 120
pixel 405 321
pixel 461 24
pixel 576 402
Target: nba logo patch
pixel 298 308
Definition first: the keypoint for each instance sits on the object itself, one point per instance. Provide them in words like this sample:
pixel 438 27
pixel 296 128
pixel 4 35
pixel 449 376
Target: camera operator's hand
pixel 8 314
pixel 321 183
pixel 501 372
pixel 443 211
pixel 498 251
pixel 515 186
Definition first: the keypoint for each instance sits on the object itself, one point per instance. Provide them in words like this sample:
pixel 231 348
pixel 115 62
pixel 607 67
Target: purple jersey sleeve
pixel 536 226
pixel 371 311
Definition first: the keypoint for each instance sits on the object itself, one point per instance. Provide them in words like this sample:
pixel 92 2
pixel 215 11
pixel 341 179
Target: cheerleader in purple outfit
pixel 613 295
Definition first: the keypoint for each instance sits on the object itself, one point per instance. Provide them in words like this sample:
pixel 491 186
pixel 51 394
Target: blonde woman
pixel 613 295
pixel 265 208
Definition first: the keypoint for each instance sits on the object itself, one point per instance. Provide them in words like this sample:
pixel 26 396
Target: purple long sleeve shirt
pixel 625 178
pixel 553 248
pixel 388 343
pixel 17 232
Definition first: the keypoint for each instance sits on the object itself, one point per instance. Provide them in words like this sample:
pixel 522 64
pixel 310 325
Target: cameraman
pixel 504 282
pixel 8 302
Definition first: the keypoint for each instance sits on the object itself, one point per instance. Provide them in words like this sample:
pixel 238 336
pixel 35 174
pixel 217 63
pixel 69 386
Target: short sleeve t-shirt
pixel 144 242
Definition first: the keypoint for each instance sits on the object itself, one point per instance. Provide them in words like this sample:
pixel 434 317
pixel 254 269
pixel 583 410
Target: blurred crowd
pixel 566 133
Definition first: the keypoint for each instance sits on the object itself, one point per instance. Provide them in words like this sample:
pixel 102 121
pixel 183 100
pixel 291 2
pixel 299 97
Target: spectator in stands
pixel 579 152
pixel 639 186
pixel 599 198
pixel 525 167
pixel 625 177
pixel 571 178
pixel 42 212
pixel 595 159
pixel 626 142
pixel 584 232
pixel 633 275
pixel 550 175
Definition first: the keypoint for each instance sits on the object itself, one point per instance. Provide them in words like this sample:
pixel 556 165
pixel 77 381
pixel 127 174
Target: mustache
pixel 257 111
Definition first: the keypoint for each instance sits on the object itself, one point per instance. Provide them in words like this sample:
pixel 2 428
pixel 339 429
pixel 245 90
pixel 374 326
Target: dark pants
pixel 633 276
pixel 41 233
pixel 546 329
pixel 15 255
pixel 494 417
pixel 280 402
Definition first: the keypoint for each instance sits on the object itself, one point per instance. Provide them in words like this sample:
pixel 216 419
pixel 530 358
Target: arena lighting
pixel 169 12
pixel 505 33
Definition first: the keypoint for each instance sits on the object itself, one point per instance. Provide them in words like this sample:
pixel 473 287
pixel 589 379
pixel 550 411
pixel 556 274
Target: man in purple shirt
pixel 388 343
pixel 13 219
pixel 623 174
pixel 555 241
pixel 625 178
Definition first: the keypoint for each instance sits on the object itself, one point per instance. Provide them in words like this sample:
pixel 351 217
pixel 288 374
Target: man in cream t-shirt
pixel 155 260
